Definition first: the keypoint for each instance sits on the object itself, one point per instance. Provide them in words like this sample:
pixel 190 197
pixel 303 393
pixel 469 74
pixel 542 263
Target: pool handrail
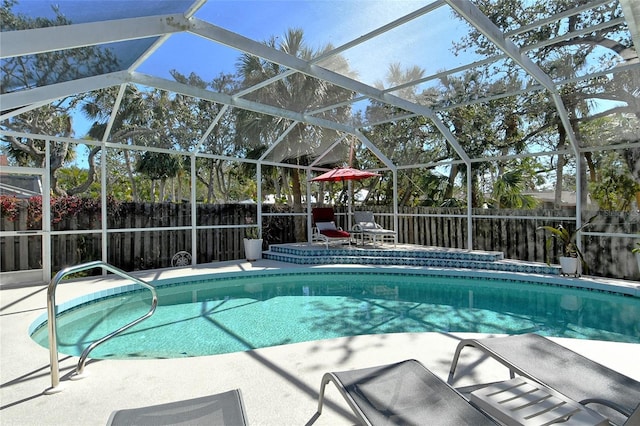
pixel 51 316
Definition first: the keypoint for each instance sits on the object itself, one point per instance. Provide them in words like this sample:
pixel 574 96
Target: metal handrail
pixel 51 314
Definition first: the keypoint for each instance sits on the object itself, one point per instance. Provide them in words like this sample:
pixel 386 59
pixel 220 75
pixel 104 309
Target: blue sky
pixel 425 42
pixel 323 22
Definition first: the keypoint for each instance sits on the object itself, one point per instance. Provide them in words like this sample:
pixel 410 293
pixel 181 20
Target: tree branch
pixel 91 174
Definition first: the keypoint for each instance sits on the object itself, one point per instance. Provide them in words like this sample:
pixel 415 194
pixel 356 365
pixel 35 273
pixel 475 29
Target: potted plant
pixel 253 243
pixel 572 256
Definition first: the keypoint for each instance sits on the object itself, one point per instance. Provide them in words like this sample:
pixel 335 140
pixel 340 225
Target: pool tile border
pixel 430 258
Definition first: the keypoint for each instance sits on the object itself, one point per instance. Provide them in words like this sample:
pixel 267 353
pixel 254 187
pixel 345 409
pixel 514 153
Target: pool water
pixel 242 313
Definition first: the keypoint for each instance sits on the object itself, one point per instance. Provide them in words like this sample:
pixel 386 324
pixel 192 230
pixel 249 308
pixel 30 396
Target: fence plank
pixel 517 238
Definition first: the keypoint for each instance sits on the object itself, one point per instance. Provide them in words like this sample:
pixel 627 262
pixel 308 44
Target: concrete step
pixel 304 254
pixel 406 251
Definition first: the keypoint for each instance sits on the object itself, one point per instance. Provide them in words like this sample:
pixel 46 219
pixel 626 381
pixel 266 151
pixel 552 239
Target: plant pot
pixel 252 249
pixel 569 265
pixel 638 260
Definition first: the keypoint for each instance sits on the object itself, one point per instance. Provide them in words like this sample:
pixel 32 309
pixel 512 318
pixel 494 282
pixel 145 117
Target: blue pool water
pixel 238 313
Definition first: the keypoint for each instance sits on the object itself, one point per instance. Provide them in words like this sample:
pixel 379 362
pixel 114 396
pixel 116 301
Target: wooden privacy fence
pixel 518 237
pixel 131 247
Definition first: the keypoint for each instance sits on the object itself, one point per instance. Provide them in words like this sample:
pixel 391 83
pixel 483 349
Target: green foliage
pixel 61 208
pixel 157 166
pixel 73 176
pixel 615 189
pixel 294 92
pixel 579 52
pixel 567 241
pixel 507 192
pixel 502 126
pixel 37 71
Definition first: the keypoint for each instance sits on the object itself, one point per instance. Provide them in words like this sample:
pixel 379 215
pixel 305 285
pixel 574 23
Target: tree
pixel 74 176
pixel 614 187
pixel 472 127
pixel 130 124
pixel 158 167
pixel 614 190
pixel 508 192
pixel 408 141
pixel 31 71
pixel 195 116
pixel 296 92
pixel 583 41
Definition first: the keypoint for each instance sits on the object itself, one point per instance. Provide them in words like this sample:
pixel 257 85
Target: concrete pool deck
pixel 279 385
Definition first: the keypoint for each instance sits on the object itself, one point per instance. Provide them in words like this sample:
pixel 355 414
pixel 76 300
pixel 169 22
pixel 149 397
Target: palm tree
pixel 131 122
pixel 508 191
pixel 295 92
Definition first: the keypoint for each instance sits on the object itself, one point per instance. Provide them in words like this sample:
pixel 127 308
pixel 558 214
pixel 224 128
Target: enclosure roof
pixel 354 49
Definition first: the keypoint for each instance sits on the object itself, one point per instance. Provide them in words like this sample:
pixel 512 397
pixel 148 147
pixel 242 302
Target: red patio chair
pixel 324 227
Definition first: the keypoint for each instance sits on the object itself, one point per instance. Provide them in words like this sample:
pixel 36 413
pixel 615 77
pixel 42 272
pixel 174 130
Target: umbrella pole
pixel 350 188
pixel 349 203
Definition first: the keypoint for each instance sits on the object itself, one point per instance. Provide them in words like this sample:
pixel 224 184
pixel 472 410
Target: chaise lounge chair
pixel 366 226
pixel 404 393
pixel 324 227
pixel 224 408
pixel 561 369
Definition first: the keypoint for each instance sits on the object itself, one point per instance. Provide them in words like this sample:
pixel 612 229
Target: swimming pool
pixel 233 312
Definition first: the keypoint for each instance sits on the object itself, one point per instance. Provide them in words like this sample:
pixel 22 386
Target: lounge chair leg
pixel 323 385
pixel 325 379
pixel 454 363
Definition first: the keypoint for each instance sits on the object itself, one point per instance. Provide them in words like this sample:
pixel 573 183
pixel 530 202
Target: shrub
pixel 61 208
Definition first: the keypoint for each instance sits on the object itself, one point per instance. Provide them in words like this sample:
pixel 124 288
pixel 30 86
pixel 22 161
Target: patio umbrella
pixel 343 174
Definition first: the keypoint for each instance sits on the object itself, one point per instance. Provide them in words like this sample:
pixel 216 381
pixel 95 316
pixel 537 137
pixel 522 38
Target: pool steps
pixel 305 254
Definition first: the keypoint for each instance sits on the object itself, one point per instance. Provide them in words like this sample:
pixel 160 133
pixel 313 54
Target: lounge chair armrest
pixel 365 226
pixel 607 403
